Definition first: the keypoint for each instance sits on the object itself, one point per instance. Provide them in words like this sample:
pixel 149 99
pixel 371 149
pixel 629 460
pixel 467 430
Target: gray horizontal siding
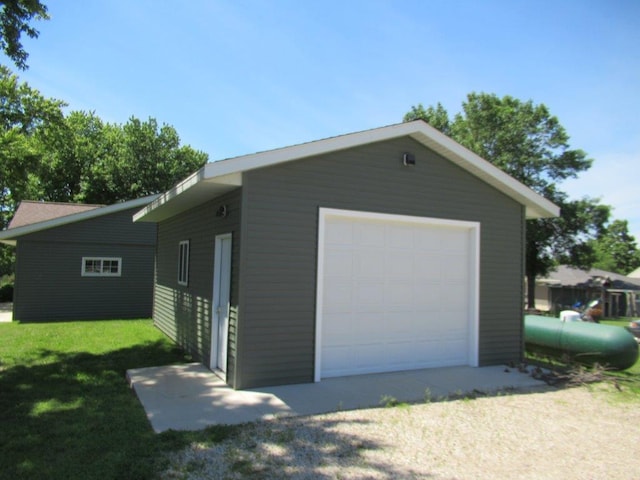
pixel 184 313
pixel 49 281
pixel 117 228
pixel 278 254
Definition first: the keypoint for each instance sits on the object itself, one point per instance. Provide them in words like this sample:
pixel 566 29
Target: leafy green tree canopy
pixel 15 16
pixel 24 112
pixel 615 249
pixel 527 142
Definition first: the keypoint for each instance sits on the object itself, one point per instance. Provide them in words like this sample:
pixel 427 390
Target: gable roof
pixel 566 276
pixel 11 234
pixel 222 176
pixel 30 211
pixel 635 273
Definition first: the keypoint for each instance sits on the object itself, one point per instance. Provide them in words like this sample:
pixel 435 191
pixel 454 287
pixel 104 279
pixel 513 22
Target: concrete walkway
pixel 191 397
pixel 6 312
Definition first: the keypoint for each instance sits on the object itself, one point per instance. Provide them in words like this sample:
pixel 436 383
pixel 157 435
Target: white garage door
pixel 394 293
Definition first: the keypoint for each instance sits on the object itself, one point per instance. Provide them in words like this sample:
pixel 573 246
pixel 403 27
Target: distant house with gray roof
pixel 567 286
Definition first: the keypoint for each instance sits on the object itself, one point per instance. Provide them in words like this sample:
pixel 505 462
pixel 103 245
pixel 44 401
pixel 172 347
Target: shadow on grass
pixel 72 415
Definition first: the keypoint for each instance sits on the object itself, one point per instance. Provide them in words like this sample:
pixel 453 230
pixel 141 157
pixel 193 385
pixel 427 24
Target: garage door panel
pixel 367 263
pixel 399 263
pixel 399 293
pixel 338 297
pixel 396 296
pixel 370 234
pixel 338 329
pixel 339 264
pixel 400 237
pixel 369 295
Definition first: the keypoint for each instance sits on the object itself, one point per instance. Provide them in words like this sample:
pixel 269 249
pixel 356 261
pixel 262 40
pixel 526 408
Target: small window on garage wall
pixel 183 263
pixel 101 266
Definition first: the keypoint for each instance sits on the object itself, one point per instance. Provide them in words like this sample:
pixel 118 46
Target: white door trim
pixel 220 306
pixel 474 254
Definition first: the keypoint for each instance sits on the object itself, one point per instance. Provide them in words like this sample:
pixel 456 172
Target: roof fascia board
pixel 222 170
pixel 304 150
pixel 484 169
pixel 232 178
pixel 8 236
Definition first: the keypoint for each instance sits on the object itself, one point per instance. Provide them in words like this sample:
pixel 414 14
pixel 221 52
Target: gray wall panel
pixel 280 215
pixel 50 286
pixel 184 313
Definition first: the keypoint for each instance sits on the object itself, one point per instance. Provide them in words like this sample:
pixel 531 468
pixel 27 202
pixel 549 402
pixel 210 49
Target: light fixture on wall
pixel 222 211
pixel 408 159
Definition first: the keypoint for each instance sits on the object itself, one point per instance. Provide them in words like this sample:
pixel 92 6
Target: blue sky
pixel 236 77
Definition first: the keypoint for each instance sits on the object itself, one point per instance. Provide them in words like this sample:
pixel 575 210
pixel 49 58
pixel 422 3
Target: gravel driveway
pixel 577 433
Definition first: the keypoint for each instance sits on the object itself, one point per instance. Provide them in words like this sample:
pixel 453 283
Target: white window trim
pixel 183 263
pixel 102 274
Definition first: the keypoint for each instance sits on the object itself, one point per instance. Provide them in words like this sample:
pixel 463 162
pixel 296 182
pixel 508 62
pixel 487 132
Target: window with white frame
pixel 183 263
pixel 101 266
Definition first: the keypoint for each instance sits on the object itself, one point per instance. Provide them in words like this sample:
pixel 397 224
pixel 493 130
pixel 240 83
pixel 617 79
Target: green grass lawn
pixel 66 410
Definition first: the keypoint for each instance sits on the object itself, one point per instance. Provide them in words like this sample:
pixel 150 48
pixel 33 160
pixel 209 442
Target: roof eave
pixel 10 236
pixel 229 172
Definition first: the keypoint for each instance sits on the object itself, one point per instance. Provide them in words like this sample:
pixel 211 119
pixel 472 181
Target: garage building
pixel 383 250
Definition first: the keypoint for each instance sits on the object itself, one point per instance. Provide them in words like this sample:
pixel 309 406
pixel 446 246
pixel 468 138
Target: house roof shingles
pixel 30 212
pixel 574 277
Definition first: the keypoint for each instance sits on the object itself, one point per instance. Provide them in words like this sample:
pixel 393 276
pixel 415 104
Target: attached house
pixel 77 261
pixel 384 250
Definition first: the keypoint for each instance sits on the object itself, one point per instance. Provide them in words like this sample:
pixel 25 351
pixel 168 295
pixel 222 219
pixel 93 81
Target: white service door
pixel 395 296
pixel 221 295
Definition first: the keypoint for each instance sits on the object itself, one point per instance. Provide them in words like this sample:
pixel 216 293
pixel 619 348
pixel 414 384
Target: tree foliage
pixel 527 142
pixel 47 155
pixel 24 113
pixel 15 16
pixel 90 161
pixel 615 249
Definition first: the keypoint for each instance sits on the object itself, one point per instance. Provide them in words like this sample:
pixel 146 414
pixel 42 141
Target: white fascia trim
pixel 163 198
pixel 222 171
pixel 233 178
pixel 484 169
pixel 474 302
pixel 537 205
pixel 9 236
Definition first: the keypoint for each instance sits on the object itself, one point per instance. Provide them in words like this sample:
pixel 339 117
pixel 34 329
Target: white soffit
pixel 219 177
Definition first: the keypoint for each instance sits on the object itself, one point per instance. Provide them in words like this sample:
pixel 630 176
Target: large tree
pixel 530 144
pixel 24 112
pixel 90 161
pixel 15 16
pixel 615 249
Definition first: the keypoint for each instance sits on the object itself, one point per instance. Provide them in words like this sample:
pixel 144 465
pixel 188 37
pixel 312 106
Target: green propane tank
pixel 583 342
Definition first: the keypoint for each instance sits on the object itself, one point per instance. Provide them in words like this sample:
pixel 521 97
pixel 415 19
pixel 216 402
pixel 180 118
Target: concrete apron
pixel 191 397
pixel 6 312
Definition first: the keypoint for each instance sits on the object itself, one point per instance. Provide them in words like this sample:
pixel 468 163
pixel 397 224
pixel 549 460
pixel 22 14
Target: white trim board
pixel 222 176
pixel 9 236
pixel 474 242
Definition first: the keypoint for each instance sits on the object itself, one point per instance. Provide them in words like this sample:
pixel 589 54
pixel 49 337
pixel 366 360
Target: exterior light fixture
pixel 222 211
pixel 408 159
